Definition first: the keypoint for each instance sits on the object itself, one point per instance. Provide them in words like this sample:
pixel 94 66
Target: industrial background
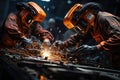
pixel 58 8
pixel 63 65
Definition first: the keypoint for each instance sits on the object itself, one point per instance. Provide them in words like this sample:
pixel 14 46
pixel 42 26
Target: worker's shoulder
pixel 12 15
pixel 107 15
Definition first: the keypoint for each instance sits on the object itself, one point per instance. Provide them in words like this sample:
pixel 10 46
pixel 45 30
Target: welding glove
pixel 59 44
pixel 46 42
pixel 27 41
pixel 86 49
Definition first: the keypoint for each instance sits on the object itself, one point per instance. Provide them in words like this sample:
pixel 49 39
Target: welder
pixel 18 26
pixel 103 26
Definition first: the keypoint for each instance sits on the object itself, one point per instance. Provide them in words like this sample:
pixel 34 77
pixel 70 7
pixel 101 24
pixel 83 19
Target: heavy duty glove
pixel 46 42
pixel 85 49
pixel 59 44
pixel 27 41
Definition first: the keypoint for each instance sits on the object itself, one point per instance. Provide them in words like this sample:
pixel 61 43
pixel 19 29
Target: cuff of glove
pixel 99 47
pixel 59 44
pixel 27 41
pixel 47 42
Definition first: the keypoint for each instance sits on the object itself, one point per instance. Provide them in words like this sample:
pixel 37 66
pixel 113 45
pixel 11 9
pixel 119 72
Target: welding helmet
pixel 30 12
pixel 81 17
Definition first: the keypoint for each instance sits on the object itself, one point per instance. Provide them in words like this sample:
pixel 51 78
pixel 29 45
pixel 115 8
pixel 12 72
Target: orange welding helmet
pixel 81 17
pixel 30 12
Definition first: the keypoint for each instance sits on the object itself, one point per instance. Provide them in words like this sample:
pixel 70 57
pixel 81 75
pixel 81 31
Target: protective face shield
pixel 81 17
pixel 30 12
pixel 26 18
pixel 39 15
pixel 68 19
pixel 85 21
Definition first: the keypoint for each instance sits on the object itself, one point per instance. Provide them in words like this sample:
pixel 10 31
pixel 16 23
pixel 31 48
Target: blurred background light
pixel 69 1
pixel 46 0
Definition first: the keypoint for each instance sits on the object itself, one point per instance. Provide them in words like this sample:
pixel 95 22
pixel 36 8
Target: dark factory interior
pixel 59 45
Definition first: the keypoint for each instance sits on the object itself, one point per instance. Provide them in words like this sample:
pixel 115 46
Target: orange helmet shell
pixel 68 22
pixel 40 14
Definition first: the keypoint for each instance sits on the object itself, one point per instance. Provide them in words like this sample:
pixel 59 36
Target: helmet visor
pixel 68 21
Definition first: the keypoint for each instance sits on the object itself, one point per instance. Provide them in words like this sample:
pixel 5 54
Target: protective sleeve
pixel 41 33
pixel 72 40
pixel 11 27
pixel 112 28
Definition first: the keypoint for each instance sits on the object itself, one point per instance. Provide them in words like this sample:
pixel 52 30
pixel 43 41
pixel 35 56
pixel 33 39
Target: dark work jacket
pixel 12 31
pixel 106 32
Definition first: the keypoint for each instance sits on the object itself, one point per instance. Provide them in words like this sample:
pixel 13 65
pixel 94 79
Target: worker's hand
pixel 46 42
pixel 87 48
pixel 27 41
pixel 59 44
